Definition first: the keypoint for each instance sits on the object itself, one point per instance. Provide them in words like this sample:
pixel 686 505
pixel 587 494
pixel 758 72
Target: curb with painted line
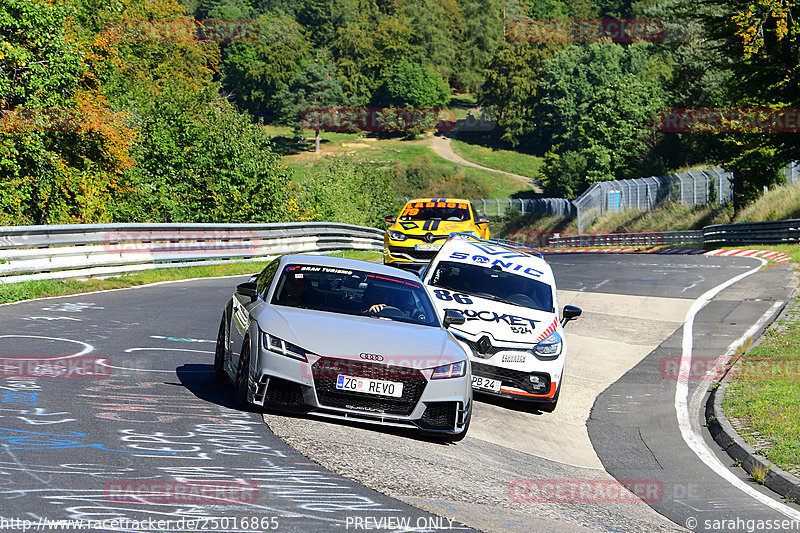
pixel 776 257
pixel 722 431
pixel 777 479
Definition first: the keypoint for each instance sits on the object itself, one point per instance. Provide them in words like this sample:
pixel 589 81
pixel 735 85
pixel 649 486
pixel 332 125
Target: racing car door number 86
pixel 447 297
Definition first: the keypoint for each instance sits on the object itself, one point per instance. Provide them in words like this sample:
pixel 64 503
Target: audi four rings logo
pixel 371 357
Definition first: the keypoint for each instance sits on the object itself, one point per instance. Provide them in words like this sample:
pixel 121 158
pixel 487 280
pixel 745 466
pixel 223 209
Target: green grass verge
pixel 764 392
pixel 29 290
pixel 505 160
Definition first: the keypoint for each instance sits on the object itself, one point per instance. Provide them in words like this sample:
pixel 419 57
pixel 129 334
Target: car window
pixel 354 292
pixel 452 211
pixel 494 284
pixel 265 278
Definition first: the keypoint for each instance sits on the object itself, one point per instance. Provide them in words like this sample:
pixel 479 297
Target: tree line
pixel 107 119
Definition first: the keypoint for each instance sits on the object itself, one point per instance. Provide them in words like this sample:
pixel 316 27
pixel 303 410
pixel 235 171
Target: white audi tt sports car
pixel 513 333
pixel 345 339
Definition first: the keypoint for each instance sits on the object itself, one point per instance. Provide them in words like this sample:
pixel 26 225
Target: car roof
pixel 349 264
pixel 450 200
pixel 494 251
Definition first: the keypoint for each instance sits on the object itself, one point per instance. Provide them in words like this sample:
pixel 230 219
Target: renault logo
pixel 371 357
pixel 484 344
pixel 428 237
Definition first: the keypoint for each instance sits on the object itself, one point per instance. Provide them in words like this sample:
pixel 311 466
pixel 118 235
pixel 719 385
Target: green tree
pixel 511 87
pixel 436 32
pixel 601 101
pixel 365 49
pixel 223 9
pixel 200 161
pixel 315 87
pixel 481 35
pixel 760 43
pixel 412 85
pixel 352 192
pixel 63 151
pixel 255 72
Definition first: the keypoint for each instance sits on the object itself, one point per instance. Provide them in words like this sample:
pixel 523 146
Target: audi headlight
pixel 549 347
pixel 274 344
pixel 397 235
pixel 454 370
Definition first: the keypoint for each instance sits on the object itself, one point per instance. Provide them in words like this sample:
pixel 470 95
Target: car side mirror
pixel 248 289
pixel 483 220
pixel 570 313
pixel 390 219
pixel 453 317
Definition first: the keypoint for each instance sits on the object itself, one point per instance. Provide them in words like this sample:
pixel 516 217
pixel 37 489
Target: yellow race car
pixel 423 226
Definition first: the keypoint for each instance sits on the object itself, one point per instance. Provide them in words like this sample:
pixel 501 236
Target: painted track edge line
pixel 695 441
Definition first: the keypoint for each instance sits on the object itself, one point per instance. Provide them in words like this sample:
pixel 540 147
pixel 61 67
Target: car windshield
pixel 354 292
pixel 453 211
pixel 494 284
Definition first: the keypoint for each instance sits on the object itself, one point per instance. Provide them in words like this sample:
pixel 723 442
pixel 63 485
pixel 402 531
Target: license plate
pixel 427 247
pixel 370 386
pixel 486 383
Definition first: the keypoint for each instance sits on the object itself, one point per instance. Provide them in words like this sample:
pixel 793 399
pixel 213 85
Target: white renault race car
pixel 513 334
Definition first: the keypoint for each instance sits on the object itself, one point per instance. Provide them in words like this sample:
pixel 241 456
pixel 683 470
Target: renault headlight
pixel 397 235
pixel 549 347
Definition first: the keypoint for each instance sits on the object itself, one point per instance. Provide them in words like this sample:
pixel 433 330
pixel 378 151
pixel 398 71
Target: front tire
pixel 243 377
pixel 220 351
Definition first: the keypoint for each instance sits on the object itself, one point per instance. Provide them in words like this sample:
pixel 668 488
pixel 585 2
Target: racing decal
pixel 447 296
pixel 431 225
pixel 436 202
pixel 394 280
pixel 326 270
pixel 492 250
pixel 549 330
pixel 513 358
pixel 522 330
pixel 409 225
pixel 508 265
pixel 492 316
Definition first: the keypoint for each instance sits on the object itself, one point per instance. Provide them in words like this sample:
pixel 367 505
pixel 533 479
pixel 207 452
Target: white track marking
pixel 86 347
pixel 129 350
pixel 694 440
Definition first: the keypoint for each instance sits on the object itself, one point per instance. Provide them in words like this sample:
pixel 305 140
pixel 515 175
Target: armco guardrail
pixel 778 232
pixel 42 252
pixel 627 239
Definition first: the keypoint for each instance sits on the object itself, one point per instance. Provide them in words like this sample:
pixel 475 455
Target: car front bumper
pixel 441 405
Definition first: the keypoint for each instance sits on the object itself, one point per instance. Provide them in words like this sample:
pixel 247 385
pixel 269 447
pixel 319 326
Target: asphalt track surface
pixel 90 449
